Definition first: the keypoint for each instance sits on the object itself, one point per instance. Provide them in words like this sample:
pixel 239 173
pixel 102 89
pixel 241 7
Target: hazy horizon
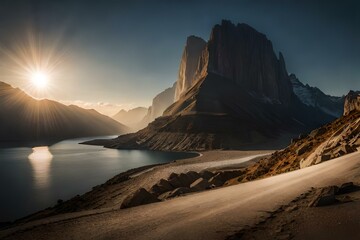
pixel 121 54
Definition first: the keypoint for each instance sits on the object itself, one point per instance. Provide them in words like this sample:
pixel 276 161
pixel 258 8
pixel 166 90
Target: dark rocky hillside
pixel 25 119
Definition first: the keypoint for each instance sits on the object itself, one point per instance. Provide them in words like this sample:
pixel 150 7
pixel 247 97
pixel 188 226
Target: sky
pixel 110 55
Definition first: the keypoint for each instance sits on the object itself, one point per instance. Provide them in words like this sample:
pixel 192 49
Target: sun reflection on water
pixel 40 160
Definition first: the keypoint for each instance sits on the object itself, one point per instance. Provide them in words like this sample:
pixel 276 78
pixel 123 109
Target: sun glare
pixel 34 64
pixel 39 80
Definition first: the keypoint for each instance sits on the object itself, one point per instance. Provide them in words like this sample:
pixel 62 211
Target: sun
pixel 39 79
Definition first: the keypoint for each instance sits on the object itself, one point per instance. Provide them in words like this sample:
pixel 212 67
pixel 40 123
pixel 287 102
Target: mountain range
pixel 132 118
pixel 312 96
pixel 25 119
pixel 233 92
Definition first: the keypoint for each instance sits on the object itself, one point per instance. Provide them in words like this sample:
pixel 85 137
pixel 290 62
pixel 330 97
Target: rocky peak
pixel 188 64
pixel 352 102
pixel 233 93
pixel 314 97
pixel 246 57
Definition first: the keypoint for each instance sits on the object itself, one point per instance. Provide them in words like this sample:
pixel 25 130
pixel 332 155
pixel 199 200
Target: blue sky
pixel 120 54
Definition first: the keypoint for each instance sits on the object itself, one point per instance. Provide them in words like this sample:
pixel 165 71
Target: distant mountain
pixel 159 104
pixel 312 96
pixel 25 119
pixel 132 118
pixel 239 96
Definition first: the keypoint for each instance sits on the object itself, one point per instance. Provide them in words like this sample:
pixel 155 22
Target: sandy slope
pixel 303 219
pixel 207 215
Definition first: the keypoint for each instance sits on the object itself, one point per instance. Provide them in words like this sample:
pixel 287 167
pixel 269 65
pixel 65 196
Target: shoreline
pixel 259 198
pixel 121 177
pixel 133 178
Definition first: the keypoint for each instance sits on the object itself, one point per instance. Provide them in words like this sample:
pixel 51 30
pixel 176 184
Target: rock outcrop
pixel 140 197
pixel 189 65
pixel 24 119
pixel 240 96
pixel 330 141
pixel 314 97
pixel 352 102
pixel 246 57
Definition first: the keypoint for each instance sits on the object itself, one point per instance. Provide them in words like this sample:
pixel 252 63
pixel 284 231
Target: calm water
pixel 33 179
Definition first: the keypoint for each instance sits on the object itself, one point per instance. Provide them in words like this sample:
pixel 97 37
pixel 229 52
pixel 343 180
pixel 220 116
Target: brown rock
pixel 161 187
pixel 291 208
pixel 188 65
pixel 227 175
pixel 173 175
pixel 206 174
pixel 352 102
pixel 215 182
pixel 140 197
pixel 240 53
pixel 193 176
pixel 317 132
pixel 199 185
pixel 324 197
pixel 177 192
pixel 303 149
pixel 325 157
pixel 347 188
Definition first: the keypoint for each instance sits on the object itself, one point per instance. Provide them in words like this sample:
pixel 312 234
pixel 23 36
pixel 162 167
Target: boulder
pixel 200 184
pixel 324 197
pixel 193 176
pixel 227 175
pixel 325 157
pixel 215 181
pixel 175 182
pixel 183 180
pixel 177 192
pixel 140 197
pixel 206 174
pixel 173 175
pixel 347 188
pixel 161 187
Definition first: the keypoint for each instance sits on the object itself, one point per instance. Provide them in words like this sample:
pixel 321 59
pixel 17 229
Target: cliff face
pixel 237 95
pixel 352 102
pixel 246 57
pixel 312 96
pixel 244 61
pixel 24 119
pixel 188 65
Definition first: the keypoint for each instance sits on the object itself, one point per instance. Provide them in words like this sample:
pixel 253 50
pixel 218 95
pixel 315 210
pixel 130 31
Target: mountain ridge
pixel 132 117
pixel 313 96
pixel 25 119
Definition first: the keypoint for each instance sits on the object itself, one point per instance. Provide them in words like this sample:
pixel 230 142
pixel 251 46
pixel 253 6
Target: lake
pixel 32 179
